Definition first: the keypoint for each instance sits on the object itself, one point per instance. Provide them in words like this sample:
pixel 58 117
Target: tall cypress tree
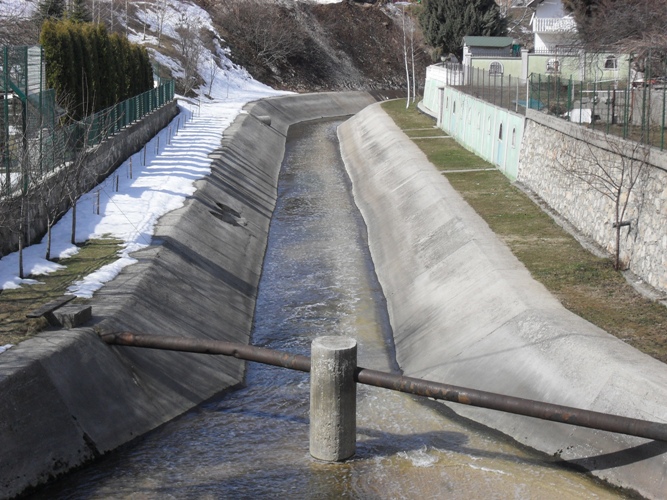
pixel 91 70
pixel 446 22
pixel 79 72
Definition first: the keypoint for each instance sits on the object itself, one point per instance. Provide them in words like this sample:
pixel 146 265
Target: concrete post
pixel 333 398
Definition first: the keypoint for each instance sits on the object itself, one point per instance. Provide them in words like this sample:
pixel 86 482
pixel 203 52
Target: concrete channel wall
pixel 66 397
pixel 465 311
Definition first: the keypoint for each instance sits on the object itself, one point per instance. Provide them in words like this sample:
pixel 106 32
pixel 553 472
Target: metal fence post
pixel 570 89
pixel 333 398
pixel 662 128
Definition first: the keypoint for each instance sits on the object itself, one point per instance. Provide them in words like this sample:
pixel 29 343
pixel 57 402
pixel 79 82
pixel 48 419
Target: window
pixel 447 104
pixel 496 69
pixel 454 107
pixel 500 132
pixel 611 63
pixel 553 66
pixel 513 137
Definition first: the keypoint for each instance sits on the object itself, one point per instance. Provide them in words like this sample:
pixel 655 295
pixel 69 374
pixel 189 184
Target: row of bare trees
pixel 40 196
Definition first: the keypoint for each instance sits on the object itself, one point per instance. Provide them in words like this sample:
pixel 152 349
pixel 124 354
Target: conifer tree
pixel 79 12
pixel 51 9
pixel 446 22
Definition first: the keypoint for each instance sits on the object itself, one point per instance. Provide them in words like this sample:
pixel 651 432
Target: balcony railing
pixel 558 50
pixel 554 25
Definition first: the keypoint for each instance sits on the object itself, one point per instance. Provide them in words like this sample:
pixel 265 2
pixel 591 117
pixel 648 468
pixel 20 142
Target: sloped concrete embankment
pixel 66 397
pixel 464 311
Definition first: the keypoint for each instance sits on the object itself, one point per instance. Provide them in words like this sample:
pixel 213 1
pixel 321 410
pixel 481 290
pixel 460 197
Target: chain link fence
pixel 34 140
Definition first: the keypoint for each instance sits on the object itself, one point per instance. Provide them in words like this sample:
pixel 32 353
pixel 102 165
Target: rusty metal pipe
pixel 236 350
pixel 395 382
pixel 515 405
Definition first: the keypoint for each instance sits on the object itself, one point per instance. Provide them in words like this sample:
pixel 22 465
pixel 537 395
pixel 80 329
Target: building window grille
pixel 553 66
pixel 496 69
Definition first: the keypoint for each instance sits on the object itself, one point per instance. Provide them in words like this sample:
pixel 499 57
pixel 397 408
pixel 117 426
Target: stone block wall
pixel 557 161
pixel 103 160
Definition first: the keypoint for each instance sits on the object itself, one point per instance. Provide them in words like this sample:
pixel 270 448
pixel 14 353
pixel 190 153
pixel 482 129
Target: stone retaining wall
pixel 556 155
pixel 103 160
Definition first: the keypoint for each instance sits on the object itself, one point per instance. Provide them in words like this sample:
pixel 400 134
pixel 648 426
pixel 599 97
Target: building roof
pixel 497 42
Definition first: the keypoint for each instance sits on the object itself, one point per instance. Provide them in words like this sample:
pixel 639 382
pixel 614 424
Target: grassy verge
pixel 585 284
pixel 16 303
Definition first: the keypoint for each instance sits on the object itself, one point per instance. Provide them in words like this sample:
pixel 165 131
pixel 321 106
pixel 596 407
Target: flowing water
pixel 253 442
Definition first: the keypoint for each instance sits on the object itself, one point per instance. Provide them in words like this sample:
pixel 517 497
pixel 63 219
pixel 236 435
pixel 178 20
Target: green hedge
pixel 91 70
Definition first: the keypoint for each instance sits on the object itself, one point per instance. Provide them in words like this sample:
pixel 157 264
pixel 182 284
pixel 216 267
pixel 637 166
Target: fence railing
pixel 508 92
pixel 436 390
pixel 632 110
pixel 554 25
pixel 33 144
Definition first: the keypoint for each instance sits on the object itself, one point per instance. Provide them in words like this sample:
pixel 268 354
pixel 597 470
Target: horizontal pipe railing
pixel 410 385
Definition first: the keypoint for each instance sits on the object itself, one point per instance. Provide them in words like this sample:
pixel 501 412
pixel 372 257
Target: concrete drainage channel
pixel 462 310
pixel 67 397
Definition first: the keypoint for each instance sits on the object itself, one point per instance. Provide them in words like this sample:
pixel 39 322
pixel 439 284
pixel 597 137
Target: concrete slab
pixel 466 312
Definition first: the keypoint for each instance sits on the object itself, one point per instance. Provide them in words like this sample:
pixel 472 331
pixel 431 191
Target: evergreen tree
pixel 52 53
pixel 91 70
pixel 51 9
pixel 148 70
pixel 79 12
pixel 446 22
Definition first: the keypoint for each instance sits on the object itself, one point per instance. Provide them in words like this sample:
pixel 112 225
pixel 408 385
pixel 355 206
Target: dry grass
pixel 16 303
pixel 585 284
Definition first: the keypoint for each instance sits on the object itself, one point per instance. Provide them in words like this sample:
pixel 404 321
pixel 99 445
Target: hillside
pixel 335 46
pixel 295 46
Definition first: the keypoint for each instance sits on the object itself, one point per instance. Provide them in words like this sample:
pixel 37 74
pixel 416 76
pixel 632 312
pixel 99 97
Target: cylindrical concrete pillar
pixel 333 398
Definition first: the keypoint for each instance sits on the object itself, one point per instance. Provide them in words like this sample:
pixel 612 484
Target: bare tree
pixel 405 57
pixel 613 171
pixel 635 27
pixel 163 13
pixel 16 26
pixel 189 45
pixel 213 68
pixel 265 30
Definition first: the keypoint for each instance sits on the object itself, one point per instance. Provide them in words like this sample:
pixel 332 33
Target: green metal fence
pixel 632 110
pixel 110 121
pixel 33 141
pixel 504 91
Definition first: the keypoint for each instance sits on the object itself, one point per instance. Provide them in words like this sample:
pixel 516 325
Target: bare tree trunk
pixel 21 230
pixel 412 53
pixel 49 224
pixel 73 240
pixel 405 58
